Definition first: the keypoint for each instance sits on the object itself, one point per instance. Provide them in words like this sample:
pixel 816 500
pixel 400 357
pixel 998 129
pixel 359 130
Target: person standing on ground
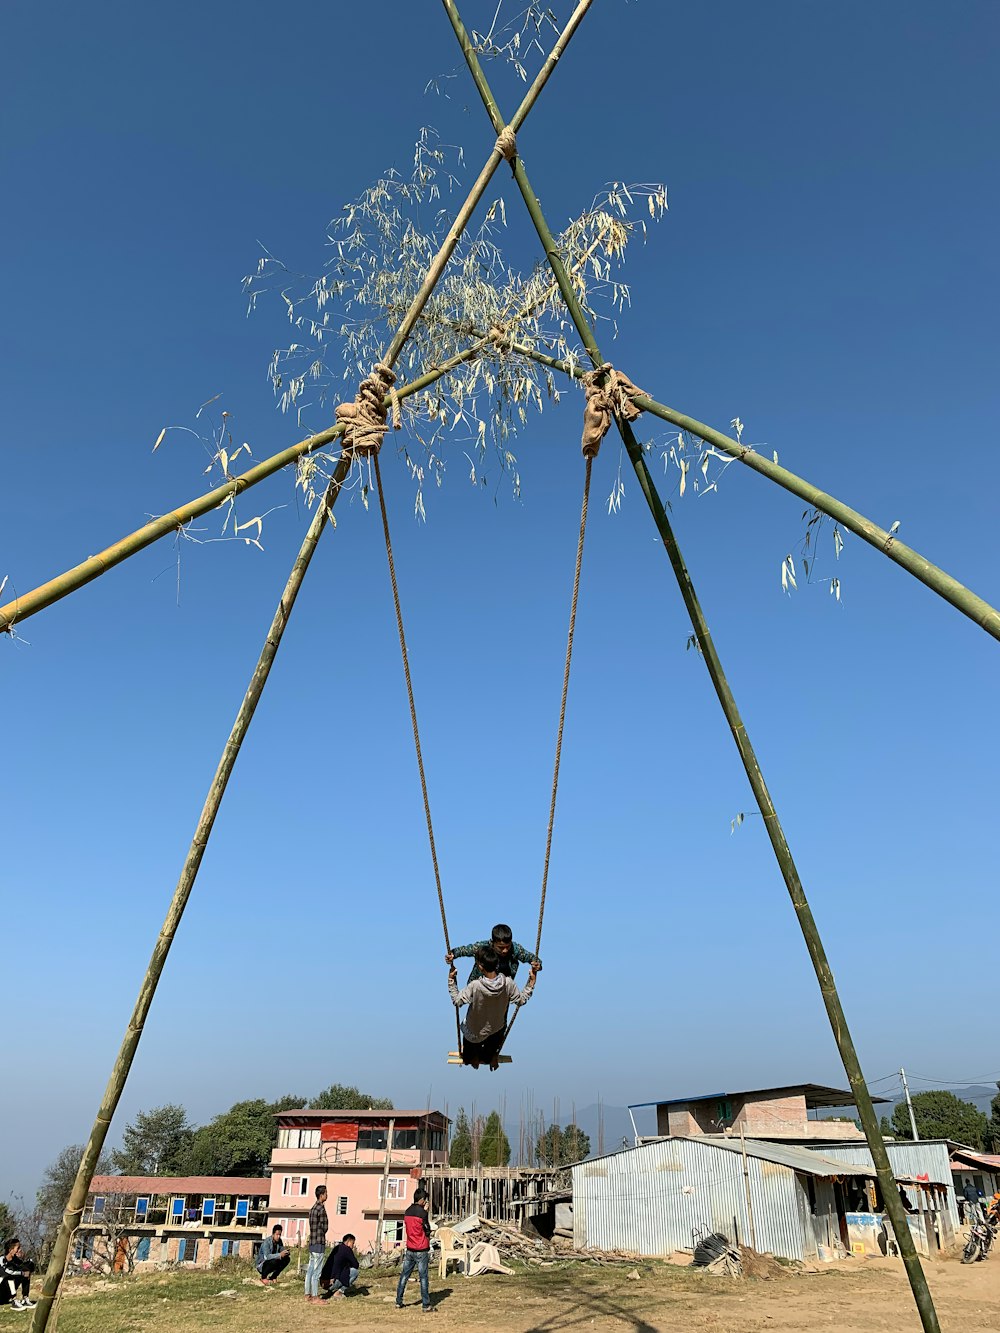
pixel 418 1250
pixel 272 1257
pixel 318 1224
pixel 973 1208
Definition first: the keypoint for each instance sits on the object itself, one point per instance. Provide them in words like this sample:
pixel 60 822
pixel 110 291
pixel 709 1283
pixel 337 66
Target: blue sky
pixel 827 272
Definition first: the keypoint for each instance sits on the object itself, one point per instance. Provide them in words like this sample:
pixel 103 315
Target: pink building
pixel 358 1156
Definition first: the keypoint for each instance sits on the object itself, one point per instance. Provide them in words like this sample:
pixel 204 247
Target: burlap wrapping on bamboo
pixel 365 418
pixel 603 401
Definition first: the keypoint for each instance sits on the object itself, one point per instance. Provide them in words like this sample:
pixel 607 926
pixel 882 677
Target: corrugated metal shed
pixel 650 1199
pixel 928 1157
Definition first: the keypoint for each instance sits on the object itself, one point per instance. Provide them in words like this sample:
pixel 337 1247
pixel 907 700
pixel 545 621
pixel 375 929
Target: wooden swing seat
pixel 455 1058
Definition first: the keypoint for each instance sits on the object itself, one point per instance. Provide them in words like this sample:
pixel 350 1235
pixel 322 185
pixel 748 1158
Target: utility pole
pixel 909 1104
pixel 746 1185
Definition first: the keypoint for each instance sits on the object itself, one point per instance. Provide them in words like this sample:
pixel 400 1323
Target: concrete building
pixel 666 1193
pixel 762 1113
pixel 134 1221
pixel 370 1162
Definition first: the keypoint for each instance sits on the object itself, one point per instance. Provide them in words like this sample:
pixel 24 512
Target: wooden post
pixel 385 1181
pixel 746 1186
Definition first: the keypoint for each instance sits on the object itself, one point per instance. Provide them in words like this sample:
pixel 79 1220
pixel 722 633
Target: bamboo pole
pixel 47 593
pixel 19 608
pixel 977 609
pixel 130 1041
pixel 782 852
pixel 385 1185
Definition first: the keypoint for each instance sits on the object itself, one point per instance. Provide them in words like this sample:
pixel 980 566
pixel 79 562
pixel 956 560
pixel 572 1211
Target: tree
pixel 461 1141
pixel 942 1115
pixel 238 1142
pixel 993 1129
pixel 57 1183
pixel 557 1147
pixel 8 1227
pixel 494 1145
pixel 156 1143
pixel 338 1097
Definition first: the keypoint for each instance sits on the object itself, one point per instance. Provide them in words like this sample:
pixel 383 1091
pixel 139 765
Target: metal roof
pixel 816 1094
pixel 307 1112
pixel 991 1161
pixel 237 1185
pixel 787 1154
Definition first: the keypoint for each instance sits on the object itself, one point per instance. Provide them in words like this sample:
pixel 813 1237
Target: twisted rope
pixel 506 144
pixel 607 393
pixel 562 722
pixel 413 718
pixel 365 418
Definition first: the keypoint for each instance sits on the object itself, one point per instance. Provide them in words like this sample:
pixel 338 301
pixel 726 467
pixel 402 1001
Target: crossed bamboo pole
pixel 970 604
pixel 133 1032
pixel 782 852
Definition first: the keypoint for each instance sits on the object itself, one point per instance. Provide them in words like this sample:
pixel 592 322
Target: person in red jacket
pixel 418 1249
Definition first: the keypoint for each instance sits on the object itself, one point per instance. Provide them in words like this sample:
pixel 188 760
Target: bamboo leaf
pixel 159 439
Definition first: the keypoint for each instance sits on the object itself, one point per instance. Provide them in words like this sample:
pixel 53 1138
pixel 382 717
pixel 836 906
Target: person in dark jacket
pixel 509 953
pixel 418 1249
pixel 272 1257
pixel 15 1276
pixel 340 1272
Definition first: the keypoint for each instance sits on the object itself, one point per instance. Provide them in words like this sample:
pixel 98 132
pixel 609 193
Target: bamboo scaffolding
pixel 130 1041
pixel 782 852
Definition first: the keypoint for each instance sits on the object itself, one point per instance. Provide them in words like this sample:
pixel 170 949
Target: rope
pixel 413 720
pixel 506 144
pixel 365 418
pixel 562 723
pixel 607 392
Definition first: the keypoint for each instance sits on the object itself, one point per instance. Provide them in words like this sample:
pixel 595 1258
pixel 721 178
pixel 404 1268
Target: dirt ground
pixel 858 1296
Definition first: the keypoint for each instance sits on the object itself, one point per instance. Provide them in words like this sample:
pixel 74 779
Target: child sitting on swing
pixel 509 953
pixel 487 996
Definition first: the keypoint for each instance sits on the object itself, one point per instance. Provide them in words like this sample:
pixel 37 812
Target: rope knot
pixel 607 393
pixel 365 418
pixel 506 144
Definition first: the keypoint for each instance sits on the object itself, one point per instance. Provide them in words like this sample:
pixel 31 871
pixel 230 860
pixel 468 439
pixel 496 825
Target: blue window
pixel 142 1250
pixel 141 1208
pixel 98 1203
pixel 208 1208
pixel 230 1247
pixel 187 1250
pixel 242 1209
pixel 177 1209
pixel 84 1248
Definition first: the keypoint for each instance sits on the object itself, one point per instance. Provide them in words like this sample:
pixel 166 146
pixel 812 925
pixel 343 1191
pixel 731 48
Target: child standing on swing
pixel 487 996
pixel 509 953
